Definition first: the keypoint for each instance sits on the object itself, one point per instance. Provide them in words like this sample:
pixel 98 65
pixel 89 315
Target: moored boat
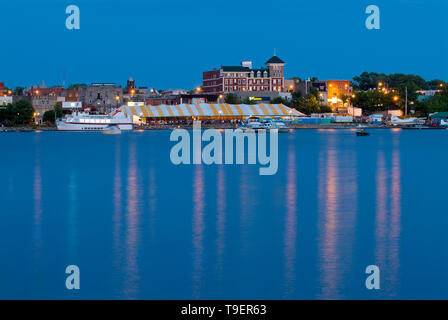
pixel 82 121
pixel 254 124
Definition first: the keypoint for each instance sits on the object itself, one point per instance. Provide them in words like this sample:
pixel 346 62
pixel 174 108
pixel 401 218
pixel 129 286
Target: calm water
pixel 140 227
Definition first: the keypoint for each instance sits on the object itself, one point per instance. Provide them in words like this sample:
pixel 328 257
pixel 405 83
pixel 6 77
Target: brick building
pixel 230 79
pixel 337 90
pixel 101 96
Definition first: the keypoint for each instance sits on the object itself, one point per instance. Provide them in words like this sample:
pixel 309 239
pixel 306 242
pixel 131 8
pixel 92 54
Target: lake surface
pixel 140 227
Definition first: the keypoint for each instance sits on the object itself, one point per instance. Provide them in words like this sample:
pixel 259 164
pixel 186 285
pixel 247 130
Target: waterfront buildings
pixel 71 95
pixel 335 93
pixel 43 98
pixel 230 79
pixel 339 93
pixel 101 96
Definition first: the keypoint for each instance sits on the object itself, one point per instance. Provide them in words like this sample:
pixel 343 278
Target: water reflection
pixel 37 217
pixel 328 209
pixel 198 229
pixel 152 200
pixel 221 221
pixel 118 210
pixel 72 216
pixel 395 222
pixel 388 217
pixel 290 221
pixel 132 226
pixel 381 211
pixel 245 202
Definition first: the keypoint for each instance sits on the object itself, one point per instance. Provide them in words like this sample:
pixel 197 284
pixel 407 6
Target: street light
pixel 395 98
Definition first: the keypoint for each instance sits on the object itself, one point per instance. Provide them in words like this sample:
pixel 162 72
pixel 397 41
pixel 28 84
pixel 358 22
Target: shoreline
pixel 332 126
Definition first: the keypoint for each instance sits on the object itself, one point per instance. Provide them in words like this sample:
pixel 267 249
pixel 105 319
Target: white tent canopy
pixel 209 110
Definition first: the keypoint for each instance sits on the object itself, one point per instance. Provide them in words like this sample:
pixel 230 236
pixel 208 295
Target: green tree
pixel 7 115
pixel 280 100
pixel 48 116
pixel 53 114
pixel 232 99
pixel 58 109
pixel 344 98
pixel 309 104
pixel 372 101
pixel 23 112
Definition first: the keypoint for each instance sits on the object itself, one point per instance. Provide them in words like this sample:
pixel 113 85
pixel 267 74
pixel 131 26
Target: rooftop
pixel 274 59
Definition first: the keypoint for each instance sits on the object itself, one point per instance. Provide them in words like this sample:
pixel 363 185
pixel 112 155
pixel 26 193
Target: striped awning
pixel 210 110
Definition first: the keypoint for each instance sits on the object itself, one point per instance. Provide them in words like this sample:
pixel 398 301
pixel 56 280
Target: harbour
pixel 336 205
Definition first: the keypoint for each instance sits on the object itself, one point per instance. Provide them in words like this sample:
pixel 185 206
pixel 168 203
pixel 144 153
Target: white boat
pixel 276 124
pixel 253 124
pixel 82 121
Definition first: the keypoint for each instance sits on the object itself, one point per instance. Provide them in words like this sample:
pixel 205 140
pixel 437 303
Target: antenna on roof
pixel 274 52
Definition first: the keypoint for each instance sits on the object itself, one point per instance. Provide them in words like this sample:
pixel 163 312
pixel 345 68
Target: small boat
pixel 280 126
pixel 253 124
pixel 361 132
pixel 111 129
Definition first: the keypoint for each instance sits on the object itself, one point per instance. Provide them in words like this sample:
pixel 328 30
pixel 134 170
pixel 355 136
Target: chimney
pixel 247 64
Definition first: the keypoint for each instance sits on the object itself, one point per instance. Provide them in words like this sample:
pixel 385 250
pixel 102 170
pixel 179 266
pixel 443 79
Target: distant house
pixel 4 101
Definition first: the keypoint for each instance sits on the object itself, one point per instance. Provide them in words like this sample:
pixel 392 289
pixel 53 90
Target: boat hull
pixel 67 126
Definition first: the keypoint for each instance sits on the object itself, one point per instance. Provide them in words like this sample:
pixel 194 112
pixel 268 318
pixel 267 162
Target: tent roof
pixel 210 110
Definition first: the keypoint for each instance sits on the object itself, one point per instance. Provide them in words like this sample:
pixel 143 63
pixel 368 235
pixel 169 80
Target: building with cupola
pixel 229 79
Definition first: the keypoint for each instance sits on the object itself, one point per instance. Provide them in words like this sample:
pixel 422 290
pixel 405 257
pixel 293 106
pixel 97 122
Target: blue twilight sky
pixel 168 43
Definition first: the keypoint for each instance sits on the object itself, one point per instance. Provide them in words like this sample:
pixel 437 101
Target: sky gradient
pixel 169 43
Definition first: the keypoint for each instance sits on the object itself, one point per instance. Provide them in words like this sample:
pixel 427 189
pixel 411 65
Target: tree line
pixel 23 113
pixel 375 92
